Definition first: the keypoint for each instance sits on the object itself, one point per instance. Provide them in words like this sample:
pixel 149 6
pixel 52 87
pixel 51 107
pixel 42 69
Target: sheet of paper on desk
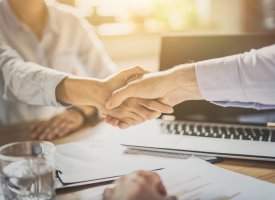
pixel 80 162
pixel 197 179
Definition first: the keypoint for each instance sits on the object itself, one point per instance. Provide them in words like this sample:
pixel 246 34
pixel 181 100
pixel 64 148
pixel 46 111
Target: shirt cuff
pixel 50 87
pixel 252 105
pixel 218 79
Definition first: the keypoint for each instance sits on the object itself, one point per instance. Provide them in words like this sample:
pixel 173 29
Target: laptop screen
pixel 178 49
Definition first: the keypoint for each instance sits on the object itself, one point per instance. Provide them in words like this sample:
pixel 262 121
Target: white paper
pixel 81 162
pixel 197 179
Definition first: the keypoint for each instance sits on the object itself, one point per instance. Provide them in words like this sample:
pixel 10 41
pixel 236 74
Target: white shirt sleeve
pixel 244 80
pixel 25 81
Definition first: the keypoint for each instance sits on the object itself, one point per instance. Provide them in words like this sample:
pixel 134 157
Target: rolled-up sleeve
pixel 243 80
pixel 27 82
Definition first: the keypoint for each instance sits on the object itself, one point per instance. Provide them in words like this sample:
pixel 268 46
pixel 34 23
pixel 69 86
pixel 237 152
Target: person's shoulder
pixel 62 11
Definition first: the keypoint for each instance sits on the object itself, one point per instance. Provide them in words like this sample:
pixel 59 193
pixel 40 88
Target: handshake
pixel 132 96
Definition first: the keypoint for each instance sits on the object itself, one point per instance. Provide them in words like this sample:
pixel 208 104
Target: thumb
pixel 134 73
pixel 120 95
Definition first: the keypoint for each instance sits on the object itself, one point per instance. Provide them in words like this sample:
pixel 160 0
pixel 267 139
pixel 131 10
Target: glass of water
pixel 27 171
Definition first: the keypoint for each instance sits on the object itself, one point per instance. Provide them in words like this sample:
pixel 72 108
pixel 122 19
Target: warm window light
pixel 168 15
pixel 204 11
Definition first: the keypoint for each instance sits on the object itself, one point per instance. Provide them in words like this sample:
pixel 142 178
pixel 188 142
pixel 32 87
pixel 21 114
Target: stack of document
pixel 195 179
pixel 94 162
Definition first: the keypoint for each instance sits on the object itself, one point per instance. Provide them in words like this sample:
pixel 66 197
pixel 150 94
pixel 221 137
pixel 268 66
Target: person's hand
pixel 139 185
pixel 137 111
pixel 57 126
pixel 170 87
pixel 133 111
pixel 95 92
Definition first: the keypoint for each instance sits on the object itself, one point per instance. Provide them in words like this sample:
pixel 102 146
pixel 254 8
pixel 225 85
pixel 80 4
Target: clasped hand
pixel 125 99
pixel 131 111
pixel 95 92
pixel 167 88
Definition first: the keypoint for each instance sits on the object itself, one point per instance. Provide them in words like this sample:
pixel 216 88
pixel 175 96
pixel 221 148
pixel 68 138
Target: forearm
pixel 25 81
pixel 183 78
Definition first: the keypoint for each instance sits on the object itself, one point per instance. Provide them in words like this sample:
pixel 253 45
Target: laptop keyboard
pixel 219 131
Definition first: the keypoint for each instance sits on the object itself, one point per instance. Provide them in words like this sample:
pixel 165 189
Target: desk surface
pixel 258 169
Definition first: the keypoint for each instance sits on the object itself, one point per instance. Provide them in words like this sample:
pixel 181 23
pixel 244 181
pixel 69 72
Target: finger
pixel 133 109
pixel 154 179
pixel 60 129
pixel 131 79
pixel 64 132
pixel 114 122
pixel 135 115
pixel 34 130
pixel 123 125
pixel 145 113
pixel 103 114
pixel 134 72
pixel 107 194
pixel 156 106
pixel 40 129
pixel 48 132
pixel 119 124
pixel 121 95
pixel 128 113
pixel 66 129
pixel 57 120
pixel 108 119
pixel 132 118
pixel 126 122
pixel 161 188
pixel 34 126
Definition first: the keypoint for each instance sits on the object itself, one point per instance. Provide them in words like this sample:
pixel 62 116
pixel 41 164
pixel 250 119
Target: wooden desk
pixel 258 169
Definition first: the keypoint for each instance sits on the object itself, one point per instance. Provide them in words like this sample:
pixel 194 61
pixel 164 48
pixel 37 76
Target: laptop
pixel 203 128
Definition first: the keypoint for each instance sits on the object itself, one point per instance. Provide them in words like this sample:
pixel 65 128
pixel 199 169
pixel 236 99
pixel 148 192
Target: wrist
pixel 80 91
pixel 75 110
pixel 185 80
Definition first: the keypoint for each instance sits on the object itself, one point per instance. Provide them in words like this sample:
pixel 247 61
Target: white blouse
pixel 69 45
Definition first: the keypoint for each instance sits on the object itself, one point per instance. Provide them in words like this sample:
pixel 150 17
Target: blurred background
pixel 131 29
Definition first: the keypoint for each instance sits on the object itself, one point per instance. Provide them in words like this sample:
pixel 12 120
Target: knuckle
pixel 129 121
pixel 148 104
pixel 140 173
pixel 155 115
pixel 138 68
pixel 151 105
pixel 107 192
pixel 156 176
pixel 126 103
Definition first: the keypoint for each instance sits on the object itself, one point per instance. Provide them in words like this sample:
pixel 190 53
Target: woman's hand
pixel 58 126
pixel 93 92
pixel 140 185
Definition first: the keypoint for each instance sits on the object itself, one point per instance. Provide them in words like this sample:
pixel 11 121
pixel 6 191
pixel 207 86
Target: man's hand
pixel 58 126
pixel 139 185
pixel 136 111
pixel 171 87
